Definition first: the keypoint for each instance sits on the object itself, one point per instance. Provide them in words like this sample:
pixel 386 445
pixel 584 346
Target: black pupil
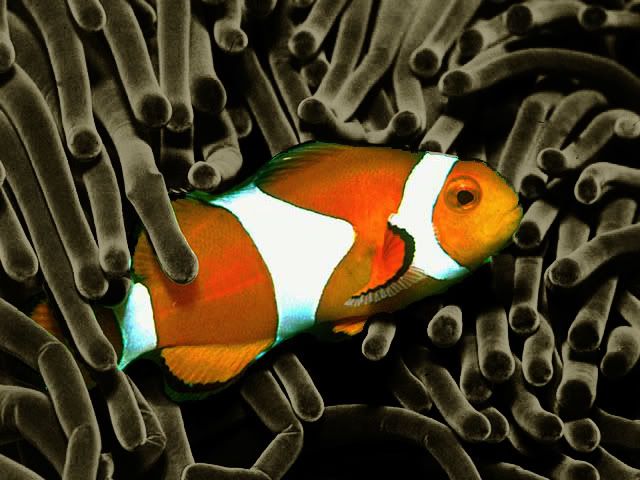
pixel 464 197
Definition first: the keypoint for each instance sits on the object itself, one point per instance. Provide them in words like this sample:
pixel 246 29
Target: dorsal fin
pixel 293 158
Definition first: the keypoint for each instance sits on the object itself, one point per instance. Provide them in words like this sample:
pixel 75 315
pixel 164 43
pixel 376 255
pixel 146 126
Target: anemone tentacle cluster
pixel 526 370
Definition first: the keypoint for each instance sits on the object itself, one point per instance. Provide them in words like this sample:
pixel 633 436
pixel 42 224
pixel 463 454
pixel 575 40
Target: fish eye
pixel 463 193
pixel 465 196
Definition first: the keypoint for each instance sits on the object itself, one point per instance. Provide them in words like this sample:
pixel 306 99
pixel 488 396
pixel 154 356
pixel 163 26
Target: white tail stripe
pixel 135 316
pixel 300 248
pixel 415 215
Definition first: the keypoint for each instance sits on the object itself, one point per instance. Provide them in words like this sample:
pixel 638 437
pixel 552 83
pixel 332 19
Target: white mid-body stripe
pixel 415 215
pixel 300 248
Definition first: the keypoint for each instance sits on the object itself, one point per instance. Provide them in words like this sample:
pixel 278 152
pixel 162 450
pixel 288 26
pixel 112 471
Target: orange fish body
pixel 322 233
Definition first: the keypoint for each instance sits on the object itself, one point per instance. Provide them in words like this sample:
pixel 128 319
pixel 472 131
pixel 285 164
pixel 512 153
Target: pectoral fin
pixel 392 271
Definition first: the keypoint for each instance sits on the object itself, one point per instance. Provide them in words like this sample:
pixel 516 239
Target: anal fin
pixel 203 364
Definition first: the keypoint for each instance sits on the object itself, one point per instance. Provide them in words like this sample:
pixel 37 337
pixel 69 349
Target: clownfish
pixel 323 234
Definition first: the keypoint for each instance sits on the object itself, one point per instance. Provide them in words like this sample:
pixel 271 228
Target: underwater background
pixel 528 369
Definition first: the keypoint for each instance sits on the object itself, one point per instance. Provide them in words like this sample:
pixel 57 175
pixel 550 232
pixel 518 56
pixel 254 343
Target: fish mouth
pixel 511 219
pixel 516 207
pixel 507 224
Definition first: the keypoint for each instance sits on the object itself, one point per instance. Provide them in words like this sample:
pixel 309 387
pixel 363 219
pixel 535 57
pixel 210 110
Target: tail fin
pixel 43 315
pixel 46 315
pixel 136 324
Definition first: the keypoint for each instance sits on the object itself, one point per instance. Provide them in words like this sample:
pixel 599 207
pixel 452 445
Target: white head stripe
pixel 415 215
pixel 137 325
pixel 300 249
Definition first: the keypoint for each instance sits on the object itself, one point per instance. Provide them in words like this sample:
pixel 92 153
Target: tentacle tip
pixel 203 176
pixel 527 236
pixel 471 42
pixel 374 349
pixel 89 16
pixel 232 41
pixel 431 145
pixel 584 337
pixel 208 95
pixel 425 63
pixel 476 427
pixel 564 272
pixel 615 365
pixel 115 261
pixel 95 22
pixel 303 44
pixel 445 332
pixel 153 110
pixel 405 124
pixel 91 282
pixel 312 110
pixel 587 190
pixel 627 127
pixel 183 268
pixel 7 56
pixel 498 366
pixel 592 17
pixel 532 186
pixel 583 435
pixel 84 143
pixel 551 428
pixel 312 411
pixel 519 19
pixel 523 319
pixel 574 396
pixel 552 161
pixel 101 356
pixel 133 438
pixel 539 373
pixel 499 425
pixel 181 118
pixel 23 269
pixel 455 83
